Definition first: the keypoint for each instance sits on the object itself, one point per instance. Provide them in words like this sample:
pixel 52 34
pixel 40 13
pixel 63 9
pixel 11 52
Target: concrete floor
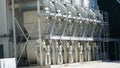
pixel 93 64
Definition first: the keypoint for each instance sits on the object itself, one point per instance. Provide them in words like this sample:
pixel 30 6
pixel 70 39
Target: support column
pixel 39 34
pixel 116 51
pixel 85 51
pixel 119 49
pixel 104 51
pixel 97 51
pixel 107 44
pixel 93 51
pixel 65 55
pixel 53 46
pixel 100 50
pixel 76 51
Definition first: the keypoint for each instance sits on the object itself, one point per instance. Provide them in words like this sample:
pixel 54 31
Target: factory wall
pixel 4 27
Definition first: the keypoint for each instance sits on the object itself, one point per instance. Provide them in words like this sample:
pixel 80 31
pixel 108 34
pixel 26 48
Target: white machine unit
pixel 8 63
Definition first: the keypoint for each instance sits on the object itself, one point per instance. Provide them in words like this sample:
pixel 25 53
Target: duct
pixel 74 29
pixel 52 6
pixel 50 30
pixel 32 5
pixel 92 13
pixel 69 28
pixel 84 29
pixel 71 8
pixel 49 4
pixel 26 6
pixel 89 30
pixel 83 26
pixel 98 30
pixel 93 30
pixel 100 16
pixel 62 32
pixel 82 11
pixel 79 29
pixel 60 6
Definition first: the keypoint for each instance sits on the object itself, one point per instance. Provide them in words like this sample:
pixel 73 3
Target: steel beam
pixel 58 37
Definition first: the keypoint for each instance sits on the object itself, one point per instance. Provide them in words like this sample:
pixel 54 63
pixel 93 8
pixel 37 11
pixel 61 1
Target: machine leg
pixel 47 59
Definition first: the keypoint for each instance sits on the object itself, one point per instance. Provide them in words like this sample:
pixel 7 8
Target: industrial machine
pixel 66 31
pixel 55 32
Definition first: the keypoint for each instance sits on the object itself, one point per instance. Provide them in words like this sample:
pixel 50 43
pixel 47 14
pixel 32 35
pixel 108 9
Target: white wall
pixel 4 26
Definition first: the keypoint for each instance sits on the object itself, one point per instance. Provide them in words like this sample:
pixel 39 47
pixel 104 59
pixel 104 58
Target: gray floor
pixel 93 64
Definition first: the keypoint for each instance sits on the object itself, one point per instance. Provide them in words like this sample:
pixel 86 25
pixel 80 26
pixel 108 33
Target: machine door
pixel 1 51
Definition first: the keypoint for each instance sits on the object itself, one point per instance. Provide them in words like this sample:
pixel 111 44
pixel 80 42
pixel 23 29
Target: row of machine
pixel 60 32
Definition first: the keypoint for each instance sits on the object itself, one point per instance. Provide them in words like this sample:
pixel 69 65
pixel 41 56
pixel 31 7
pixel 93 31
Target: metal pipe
pixel 39 32
pixel 14 30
